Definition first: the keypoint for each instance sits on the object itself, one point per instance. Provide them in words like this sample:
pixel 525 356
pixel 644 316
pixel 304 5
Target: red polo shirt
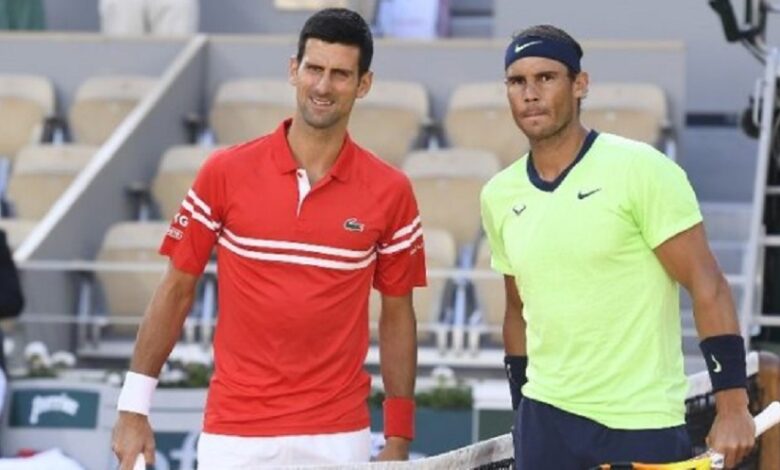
pixel 295 265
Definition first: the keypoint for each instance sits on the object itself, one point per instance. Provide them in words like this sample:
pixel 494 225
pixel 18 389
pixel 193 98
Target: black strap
pixel 725 358
pixel 515 367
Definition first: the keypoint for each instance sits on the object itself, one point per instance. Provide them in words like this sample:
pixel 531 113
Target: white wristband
pixel 136 394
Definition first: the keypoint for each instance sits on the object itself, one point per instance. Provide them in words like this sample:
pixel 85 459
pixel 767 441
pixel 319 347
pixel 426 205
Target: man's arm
pixel 516 358
pixel 398 361
pixel 688 259
pixel 160 329
pixel 514 325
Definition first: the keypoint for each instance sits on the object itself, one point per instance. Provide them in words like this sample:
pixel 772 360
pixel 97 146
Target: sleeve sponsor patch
pixel 175 233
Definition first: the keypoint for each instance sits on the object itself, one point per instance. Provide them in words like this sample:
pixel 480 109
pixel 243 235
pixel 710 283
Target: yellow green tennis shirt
pixel 603 324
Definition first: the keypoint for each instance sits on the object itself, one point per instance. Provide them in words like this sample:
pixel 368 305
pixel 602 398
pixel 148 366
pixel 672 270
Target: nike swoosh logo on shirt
pixel 581 195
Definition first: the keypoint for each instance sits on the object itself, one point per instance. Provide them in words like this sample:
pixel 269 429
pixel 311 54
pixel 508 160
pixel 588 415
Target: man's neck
pixel 315 150
pixel 551 156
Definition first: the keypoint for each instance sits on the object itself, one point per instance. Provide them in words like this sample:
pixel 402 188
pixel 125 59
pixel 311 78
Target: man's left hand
pixel 733 431
pixel 396 448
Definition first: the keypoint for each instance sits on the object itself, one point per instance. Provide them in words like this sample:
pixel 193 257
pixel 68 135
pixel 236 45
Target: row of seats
pixel 389 120
pixel 39 171
pixel 100 104
pixel 394 115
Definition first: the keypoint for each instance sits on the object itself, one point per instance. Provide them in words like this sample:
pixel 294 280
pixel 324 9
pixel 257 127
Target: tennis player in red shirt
pixel 304 221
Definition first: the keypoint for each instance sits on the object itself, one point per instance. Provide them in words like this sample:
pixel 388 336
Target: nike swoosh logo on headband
pixel 519 48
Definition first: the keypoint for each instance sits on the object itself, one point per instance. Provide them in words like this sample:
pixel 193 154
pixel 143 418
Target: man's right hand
pixel 132 436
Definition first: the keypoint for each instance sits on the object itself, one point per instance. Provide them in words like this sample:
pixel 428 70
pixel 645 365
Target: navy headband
pixel 535 46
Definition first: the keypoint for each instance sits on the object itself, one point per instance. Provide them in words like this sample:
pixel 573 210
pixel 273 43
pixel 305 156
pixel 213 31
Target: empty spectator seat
pixel 102 103
pixel 25 103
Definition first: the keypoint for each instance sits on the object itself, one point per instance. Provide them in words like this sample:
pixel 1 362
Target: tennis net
pixel 497 453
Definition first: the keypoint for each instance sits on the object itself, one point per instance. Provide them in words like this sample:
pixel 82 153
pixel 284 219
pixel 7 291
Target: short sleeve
pixel 193 232
pixel 498 259
pixel 663 202
pixel 401 254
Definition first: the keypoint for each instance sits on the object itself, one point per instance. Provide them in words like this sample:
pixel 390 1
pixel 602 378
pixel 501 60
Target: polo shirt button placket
pixel 304 188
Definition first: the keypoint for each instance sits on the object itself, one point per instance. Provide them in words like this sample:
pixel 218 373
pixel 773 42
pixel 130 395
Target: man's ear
pixel 292 71
pixel 365 82
pixel 581 84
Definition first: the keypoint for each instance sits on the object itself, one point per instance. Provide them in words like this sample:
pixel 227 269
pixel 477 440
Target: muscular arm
pixel 398 359
pixel 163 320
pixel 688 259
pixel 159 331
pixel 514 325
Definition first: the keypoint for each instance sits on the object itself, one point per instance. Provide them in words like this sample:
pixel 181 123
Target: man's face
pixel 542 96
pixel 327 82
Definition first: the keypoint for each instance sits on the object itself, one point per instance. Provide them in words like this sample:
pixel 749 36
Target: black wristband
pixel 515 366
pixel 725 357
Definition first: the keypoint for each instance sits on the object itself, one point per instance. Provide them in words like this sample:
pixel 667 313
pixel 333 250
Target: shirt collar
pixel 550 186
pixel 286 163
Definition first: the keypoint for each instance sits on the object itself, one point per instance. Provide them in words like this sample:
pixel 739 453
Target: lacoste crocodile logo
pixel 352 225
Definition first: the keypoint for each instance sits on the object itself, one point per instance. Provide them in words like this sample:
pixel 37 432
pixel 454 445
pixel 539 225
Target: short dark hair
pixel 339 26
pixel 553 33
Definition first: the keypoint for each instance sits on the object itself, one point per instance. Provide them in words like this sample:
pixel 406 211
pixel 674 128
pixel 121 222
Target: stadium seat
pixel 127 293
pixel 16 231
pixel 248 108
pixel 491 301
pixel 102 103
pixel 25 103
pixel 428 301
pixel 479 117
pixel 175 176
pixel 41 174
pixel 634 110
pixel 447 184
pixel 390 119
